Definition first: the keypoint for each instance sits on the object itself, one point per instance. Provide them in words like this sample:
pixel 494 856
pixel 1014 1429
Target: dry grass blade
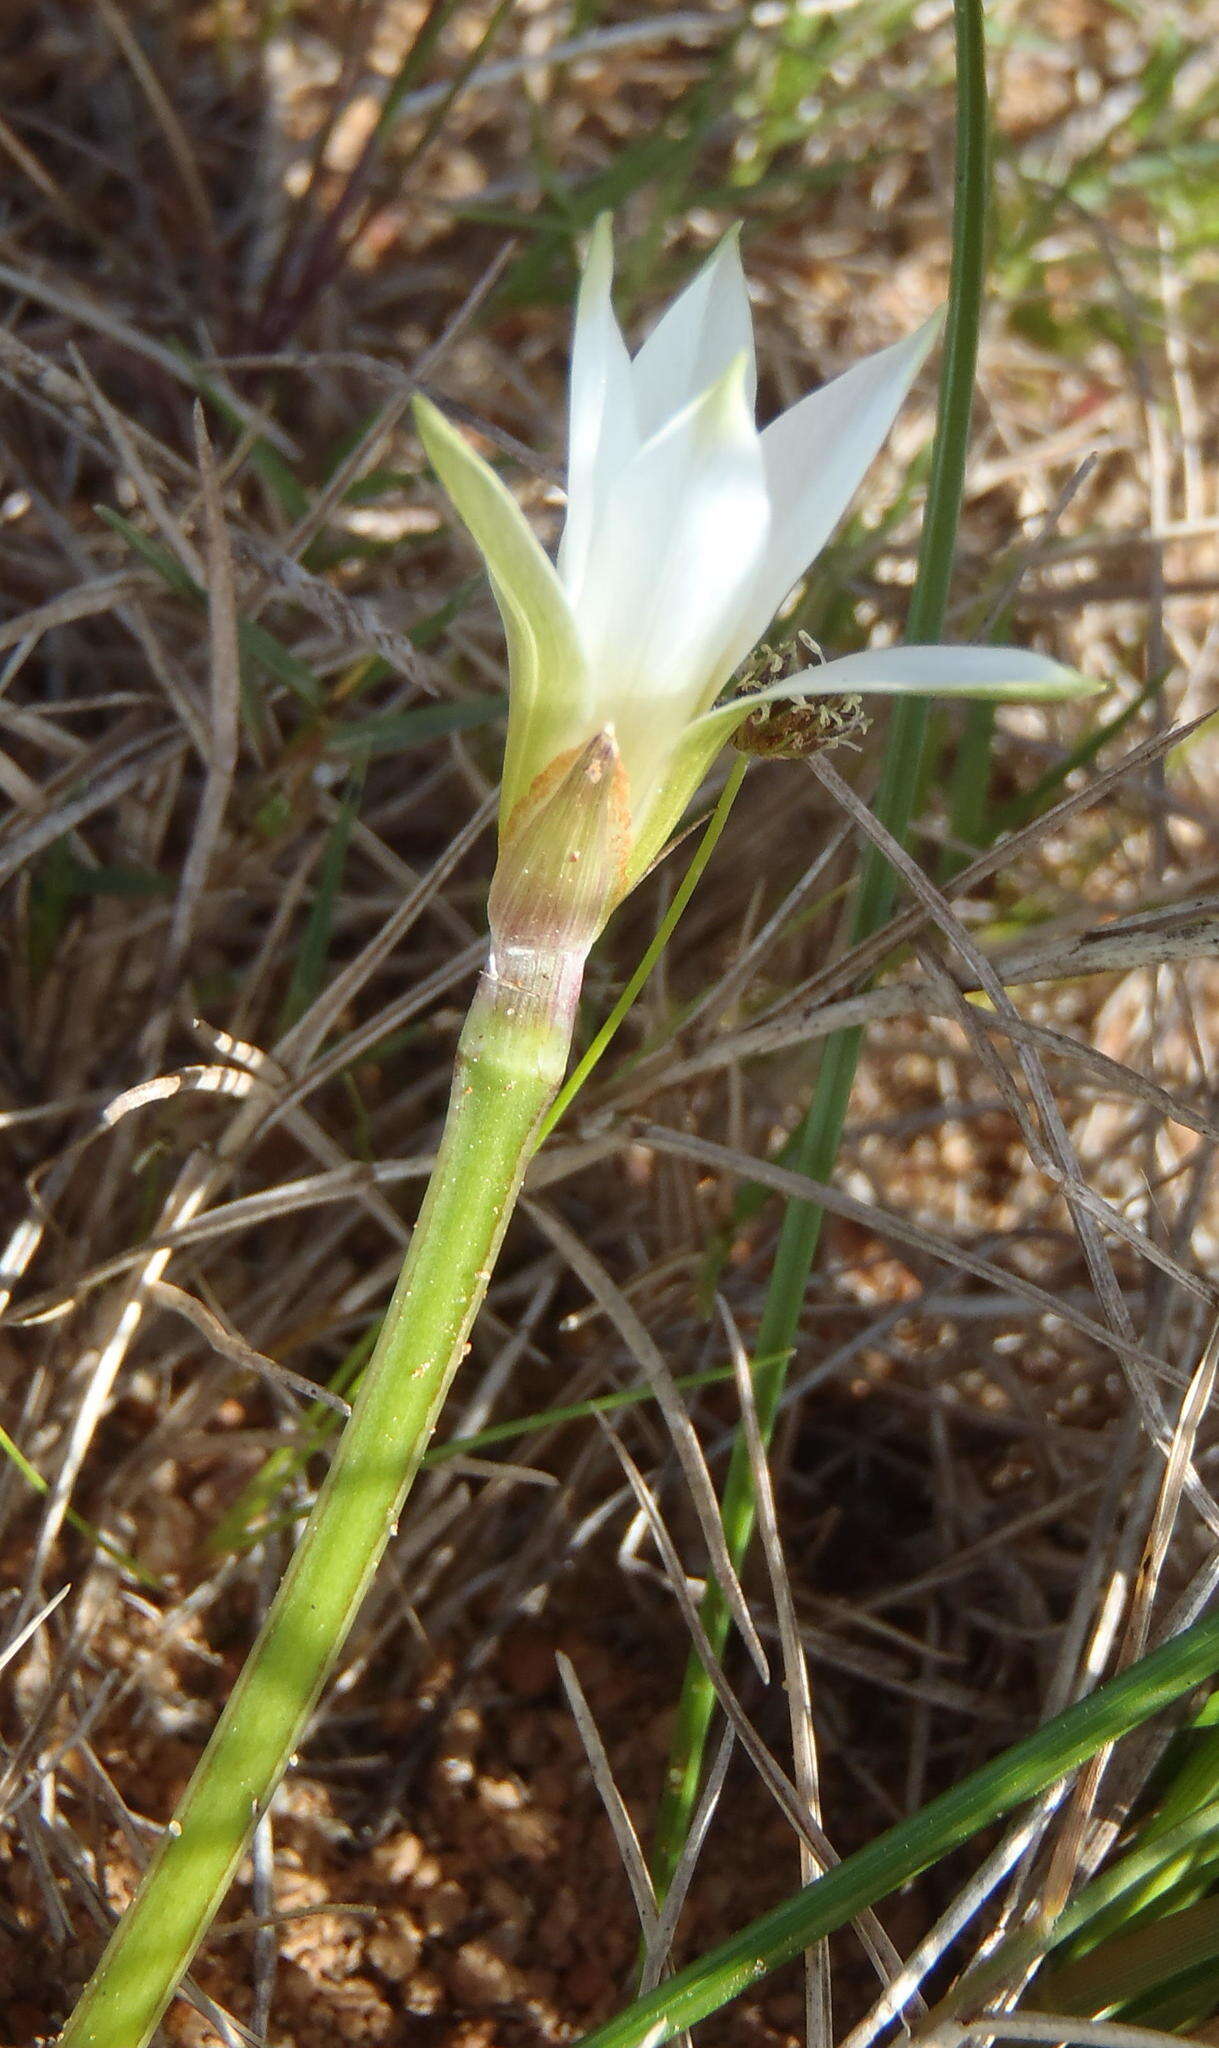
pixel 633 1860
pixel 1086 1212
pixel 376 436
pixel 647 1356
pixel 83 602
pixel 228 1343
pixel 100 1365
pixel 1063 2027
pixel 19 1250
pixel 130 764
pixel 81 307
pixel 41 378
pixel 1150 940
pixel 30 1627
pixel 683 25
pixel 175 135
pixel 1073 1849
pixel 137 473
pixel 347 1183
pixel 355 1045
pixel 266 1936
pixel 236 1081
pixel 61 202
pixel 351 620
pixel 899 1231
pixel 1184 930
pixel 863 960
pixel 818 1994
pixel 776 1781
pixel 656 1960
pixel 299 1044
pixel 735 979
pixel 225 669
pixel 905 1988
pixel 880 1950
pixel 1177 1470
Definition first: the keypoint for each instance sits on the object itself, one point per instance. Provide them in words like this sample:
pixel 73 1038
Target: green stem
pixel 510 1062
pixel 892 1859
pixel 819 1136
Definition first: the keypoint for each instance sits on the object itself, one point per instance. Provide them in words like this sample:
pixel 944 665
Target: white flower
pixel 686 528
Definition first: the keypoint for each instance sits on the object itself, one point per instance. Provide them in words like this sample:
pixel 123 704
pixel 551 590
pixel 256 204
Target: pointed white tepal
pixel 686 528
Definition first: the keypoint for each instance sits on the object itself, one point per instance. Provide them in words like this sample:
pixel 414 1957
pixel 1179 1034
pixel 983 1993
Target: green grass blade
pixel 1139 1963
pixel 571 1411
pixel 394 732
pixel 249 1519
pixel 1117 1893
pixel 122 1558
pixel 1009 817
pixel 1028 1768
pixel 820 1134
pixel 1140 1932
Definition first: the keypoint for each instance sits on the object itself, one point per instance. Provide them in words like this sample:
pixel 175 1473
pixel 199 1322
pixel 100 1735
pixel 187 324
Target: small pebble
pixel 478 1976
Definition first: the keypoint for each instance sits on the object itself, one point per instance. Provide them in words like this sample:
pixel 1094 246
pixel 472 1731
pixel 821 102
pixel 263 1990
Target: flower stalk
pixel 511 1059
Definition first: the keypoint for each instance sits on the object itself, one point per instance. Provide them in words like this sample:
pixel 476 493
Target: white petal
pixel 602 434
pixel 674 553
pixel 548 698
pixel 1000 673
pixel 705 329
pixel 816 455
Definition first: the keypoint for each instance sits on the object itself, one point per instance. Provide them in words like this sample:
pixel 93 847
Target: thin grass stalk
pixel 1024 1771
pixel 818 1139
pixel 511 1059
